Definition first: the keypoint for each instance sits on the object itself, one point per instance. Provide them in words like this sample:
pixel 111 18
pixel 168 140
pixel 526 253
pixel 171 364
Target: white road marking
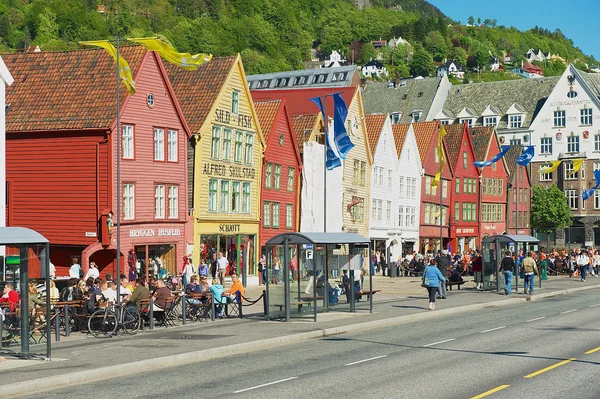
pixel 593 306
pixel 264 385
pixel 569 311
pixel 539 318
pixel 493 329
pixel 441 342
pixel 365 360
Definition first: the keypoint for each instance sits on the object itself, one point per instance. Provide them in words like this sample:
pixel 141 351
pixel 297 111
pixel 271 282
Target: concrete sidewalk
pixel 82 358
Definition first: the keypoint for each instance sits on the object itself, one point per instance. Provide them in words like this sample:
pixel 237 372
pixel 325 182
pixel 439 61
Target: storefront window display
pixel 237 248
pixel 156 260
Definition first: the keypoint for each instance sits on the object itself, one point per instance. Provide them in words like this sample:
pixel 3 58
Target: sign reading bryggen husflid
pixel 227 148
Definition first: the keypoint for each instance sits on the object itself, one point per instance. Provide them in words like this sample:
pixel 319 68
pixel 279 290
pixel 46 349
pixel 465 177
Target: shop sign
pixel 224 116
pixel 465 231
pixel 489 226
pixel 169 232
pixel 215 169
pixel 152 233
pixel 141 233
pixel 229 228
pixel 90 234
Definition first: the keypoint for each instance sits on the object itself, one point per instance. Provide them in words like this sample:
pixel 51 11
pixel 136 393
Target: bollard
pixel 183 301
pixel 67 321
pixel 151 310
pixel 212 307
pixel 56 329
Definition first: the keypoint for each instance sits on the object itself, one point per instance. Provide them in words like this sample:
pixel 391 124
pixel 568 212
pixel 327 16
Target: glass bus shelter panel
pixel 361 256
pixel 337 257
pixel 274 285
pixel 489 265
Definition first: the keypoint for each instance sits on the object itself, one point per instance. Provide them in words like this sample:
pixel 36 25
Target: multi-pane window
pixel 597 142
pixel 572 199
pixel 237 149
pixel 457 184
pixel 401 186
pixel 227 144
pixel 275 221
pixel 159 144
pixel 444 188
pixel 515 121
pixel 465 160
pixel 290 179
pixel 363 173
pixel 235 196
pixel 388 212
pixel 159 201
pixel 514 141
pixel 215 143
pixel 560 118
pixel 266 214
pixel 457 211
pixel 427 185
pixel 412 186
pixel 127 141
pixel 356 172
pixel 379 210
pixel 545 176
pixel 401 216
pixel 172 152
pixel 277 177
pixel 427 213
pixel 374 209
pixel 268 175
pixel 573 144
pixel 389 178
pixel 596 199
pixel 490 121
pixel 569 175
pixel 358 210
pixel 469 121
pixel 225 198
pixel 235 102
pixel 249 148
pixel 411 215
pixel 246 189
pixel 173 202
pixel 546 145
pixel 289 216
pixel 213 193
pixel 585 116
pixel 128 201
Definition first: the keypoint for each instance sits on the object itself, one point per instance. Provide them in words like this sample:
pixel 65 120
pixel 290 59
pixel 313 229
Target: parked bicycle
pixel 106 322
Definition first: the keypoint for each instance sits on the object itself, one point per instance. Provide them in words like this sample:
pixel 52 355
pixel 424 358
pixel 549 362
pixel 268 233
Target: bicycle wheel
pixel 102 323
pixel 131 320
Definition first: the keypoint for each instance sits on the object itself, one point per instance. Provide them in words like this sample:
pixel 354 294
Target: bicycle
pixel 106 322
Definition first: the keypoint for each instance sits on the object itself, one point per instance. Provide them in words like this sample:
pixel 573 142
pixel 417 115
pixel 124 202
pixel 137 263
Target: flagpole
pixel 325 130
pixel 441 187
pixel 118 196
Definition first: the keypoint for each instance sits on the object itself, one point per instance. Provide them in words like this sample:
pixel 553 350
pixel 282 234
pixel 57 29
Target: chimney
pixel 363 82
pixel 397 80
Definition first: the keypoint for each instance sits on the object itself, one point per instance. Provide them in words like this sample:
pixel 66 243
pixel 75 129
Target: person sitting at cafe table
pixel 193 288
pixel 235 287
pixel 140 293
pixel 107 290
pixel 161 295
pixel 217 290
pixel 125 290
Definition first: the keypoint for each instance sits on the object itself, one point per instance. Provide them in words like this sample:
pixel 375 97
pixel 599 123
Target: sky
pixel 576 19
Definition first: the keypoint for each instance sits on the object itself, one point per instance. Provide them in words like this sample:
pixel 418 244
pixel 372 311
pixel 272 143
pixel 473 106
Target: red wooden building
pixel 518 194
pixel 464 220
pixel 432 227
pixel 61 158
pixel 492 182
pixel 280 186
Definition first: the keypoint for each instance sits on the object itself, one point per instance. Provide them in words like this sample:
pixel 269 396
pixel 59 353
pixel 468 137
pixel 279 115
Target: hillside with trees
pixel 275 35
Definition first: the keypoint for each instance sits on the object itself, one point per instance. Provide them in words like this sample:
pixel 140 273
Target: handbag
pixel 425 281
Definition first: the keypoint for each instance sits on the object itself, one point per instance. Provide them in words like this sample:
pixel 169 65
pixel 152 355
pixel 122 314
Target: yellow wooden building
pixel 225 159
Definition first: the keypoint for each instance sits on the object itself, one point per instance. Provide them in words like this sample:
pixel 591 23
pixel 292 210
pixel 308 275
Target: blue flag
pixel 342 141
pixel 526 156
pixel 588 193
pixel 332 160
pixel 481 164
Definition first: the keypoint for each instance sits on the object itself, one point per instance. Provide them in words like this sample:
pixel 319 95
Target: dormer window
pixel 416 116
pixel 395 116
pixel 469 121
pixel 515 121
pixel 490 121
pixel 445 121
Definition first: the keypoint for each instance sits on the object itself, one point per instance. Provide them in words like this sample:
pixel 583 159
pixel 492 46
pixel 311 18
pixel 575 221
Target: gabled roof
pixel 303 127
pixel 445 114
pixel 530 94
pixel 375 63
pixel 466 112
pixel 516 109
pixel 424 132
pixel 374 125
pixel 450 62
pixel 454 134
pixel 491 111
pixel 511 158
pixel 198 90
pixel 400 132
pixel 267 113
pixel 65 90
pixel 410 94
pixel 593 81
pixel 480 137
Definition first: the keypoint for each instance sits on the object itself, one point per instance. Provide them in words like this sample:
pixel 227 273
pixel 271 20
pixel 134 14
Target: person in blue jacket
pixel 432 278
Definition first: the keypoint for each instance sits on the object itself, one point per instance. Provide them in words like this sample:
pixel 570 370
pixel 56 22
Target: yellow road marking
pixel 592 351
pixel 549 368
pixel 491 391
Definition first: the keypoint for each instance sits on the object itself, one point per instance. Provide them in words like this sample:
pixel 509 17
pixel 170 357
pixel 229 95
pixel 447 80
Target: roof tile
pixel 424 132
pixel 267 112
pixel 400 131
pixel 453 141
pixel 480 137
pixel 303 127
pixel 374 125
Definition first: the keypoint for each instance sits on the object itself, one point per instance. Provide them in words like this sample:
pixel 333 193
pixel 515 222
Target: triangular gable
pixel 466 113
pixel 5 73
pixel 400 132
pixel 306 127
pixel 515 109
pixel 374 124
pixel 490 110
pixel 267 112
pixel 584 84
pixel 453 141
pixel 411 138
pixel 445 114
pixel 361 112
pixel 495 142
pixel 283 113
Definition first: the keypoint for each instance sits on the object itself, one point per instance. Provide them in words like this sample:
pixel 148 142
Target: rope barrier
pixel 249 302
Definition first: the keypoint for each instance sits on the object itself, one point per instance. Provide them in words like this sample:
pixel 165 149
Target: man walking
pixel 508 267
pixel 529 268
pixel 583 261
pixel 222 264
pixel 442 261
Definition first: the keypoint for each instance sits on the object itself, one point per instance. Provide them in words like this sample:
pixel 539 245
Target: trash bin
pixel 393 269
pixel 544 272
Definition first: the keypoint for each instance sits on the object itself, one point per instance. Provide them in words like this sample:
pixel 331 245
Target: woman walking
pixel 432 278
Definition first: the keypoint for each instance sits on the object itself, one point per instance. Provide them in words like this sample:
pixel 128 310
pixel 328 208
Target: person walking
pixel 508 267
pixel 477 266
pixel 529 269
pixel 583 263
pixel 432 279
pixel 442 261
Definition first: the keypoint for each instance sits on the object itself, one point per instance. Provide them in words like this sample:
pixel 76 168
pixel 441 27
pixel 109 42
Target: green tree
pixel 549 210
pixel 471 20
pixel 436 45
pixel 422 63
pixel 367 53
pixel 459 55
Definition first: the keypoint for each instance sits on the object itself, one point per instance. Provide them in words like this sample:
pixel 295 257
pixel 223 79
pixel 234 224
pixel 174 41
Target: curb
pixel 153 364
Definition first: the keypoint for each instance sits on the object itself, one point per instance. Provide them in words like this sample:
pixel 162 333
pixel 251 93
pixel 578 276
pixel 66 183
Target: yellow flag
pixel 440 152
pixel 124 70
pixel 576 166
pixel 166 51
pixel 549 169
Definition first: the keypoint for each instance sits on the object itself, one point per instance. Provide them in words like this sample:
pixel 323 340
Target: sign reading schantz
pixel 229 228
pixel 154 233
pixel 215 169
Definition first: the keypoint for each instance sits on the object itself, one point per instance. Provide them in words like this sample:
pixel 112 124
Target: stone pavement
pixel 81 358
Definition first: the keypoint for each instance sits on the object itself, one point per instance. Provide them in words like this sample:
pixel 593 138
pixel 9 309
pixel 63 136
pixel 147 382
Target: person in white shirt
pixel 108 291
pixel 222 264
pixel 92 271
pixel 188 271
pixel 125 292
pixel 75 268
pixel 583 261
pixel 51 270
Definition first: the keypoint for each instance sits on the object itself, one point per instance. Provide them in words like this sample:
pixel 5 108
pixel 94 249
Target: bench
pixel 367 293
pixel 450 284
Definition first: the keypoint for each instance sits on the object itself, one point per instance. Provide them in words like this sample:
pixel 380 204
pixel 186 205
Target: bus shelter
pixel 307 273
pixel 26 259
pixel 494 248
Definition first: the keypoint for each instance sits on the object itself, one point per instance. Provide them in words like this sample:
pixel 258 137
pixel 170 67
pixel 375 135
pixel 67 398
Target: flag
pixel 440 151
pixel 166 51
pixel 588 193
pixel 576 166
pixel 342 141
pixel 526 156
pixel 333 159
pixel 124 70
pixel 497 157
pixel 549 169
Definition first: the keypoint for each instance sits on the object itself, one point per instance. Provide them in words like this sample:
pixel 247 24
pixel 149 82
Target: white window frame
pixel 172 146
pixel 596 199
pixel 401 186
pixel 468 120
pixel 173 198
pixel 572 199
pixel 545 176
pixel 215 142
pixel 597 142
pixel 390 178
pixel 585 116
pixel 515 121
pixel 560 118
pixel 401 215
pixel 388 212
pixel 159 201
pixel 128 201
pixel 490 121
pixel 224 195
pixel 127 142
pixel 159 144
pixel 289 216
pixel 213 195
pixel 246 197
pixel 546 145
pixel 573 144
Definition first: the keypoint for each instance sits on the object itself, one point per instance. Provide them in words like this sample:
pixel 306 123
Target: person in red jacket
pixel 10 296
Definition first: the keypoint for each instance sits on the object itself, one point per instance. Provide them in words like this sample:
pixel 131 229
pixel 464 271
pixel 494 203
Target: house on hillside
pixel 335 60
pixel 536 55
pixel 379 44
pixel 374 69
pixel 451 67
pixel 494 63
pixel 395 42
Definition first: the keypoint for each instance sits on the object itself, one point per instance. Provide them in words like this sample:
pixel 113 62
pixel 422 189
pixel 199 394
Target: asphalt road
pixel 529 350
